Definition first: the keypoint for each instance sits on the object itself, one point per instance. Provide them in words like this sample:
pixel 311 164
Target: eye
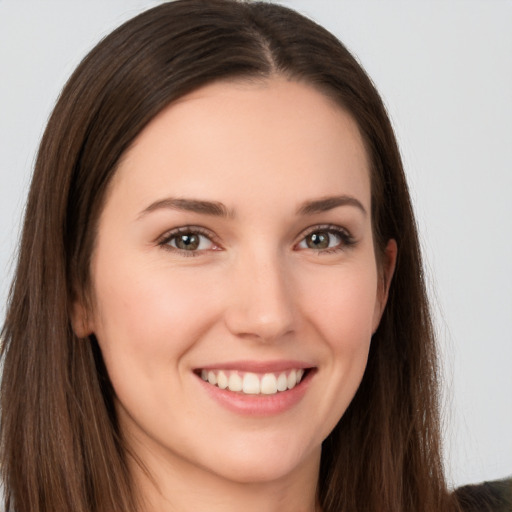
pixel 326 239
pixel 189 240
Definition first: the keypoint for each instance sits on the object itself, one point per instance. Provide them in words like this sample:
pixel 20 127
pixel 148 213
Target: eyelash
pixel 346 238
pixel 185 230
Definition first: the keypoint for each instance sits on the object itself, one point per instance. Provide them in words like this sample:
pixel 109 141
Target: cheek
pixel 340 308
pixel 342 305
pixel 150 313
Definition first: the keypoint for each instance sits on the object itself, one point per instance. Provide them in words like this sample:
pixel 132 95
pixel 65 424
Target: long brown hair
pixel 61 447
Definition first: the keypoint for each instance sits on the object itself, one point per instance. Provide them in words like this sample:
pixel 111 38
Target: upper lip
pixel 258 366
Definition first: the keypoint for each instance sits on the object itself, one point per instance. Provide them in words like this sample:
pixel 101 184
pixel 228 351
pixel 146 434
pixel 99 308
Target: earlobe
pixel 386 275
pixel 80 320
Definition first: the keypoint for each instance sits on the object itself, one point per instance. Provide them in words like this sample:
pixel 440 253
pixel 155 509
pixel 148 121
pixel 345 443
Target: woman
pixel 218 225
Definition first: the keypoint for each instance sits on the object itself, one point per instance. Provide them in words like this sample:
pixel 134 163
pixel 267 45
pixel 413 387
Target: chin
pixel 263 465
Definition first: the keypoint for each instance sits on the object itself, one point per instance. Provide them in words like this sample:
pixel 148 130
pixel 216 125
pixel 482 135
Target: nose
pixel 261 304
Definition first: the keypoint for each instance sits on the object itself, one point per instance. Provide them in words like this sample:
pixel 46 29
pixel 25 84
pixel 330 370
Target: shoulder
pixel 493 496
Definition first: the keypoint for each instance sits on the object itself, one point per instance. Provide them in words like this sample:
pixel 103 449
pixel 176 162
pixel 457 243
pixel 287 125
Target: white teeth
pixel 252 383
pixel 292 379
pixel 235 382
pixel 269 384
pixel 222 380
pixel 282 382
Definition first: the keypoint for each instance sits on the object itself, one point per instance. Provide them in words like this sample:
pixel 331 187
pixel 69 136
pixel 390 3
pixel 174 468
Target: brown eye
pixel 318 240
pixel 326 239
pixel 187 241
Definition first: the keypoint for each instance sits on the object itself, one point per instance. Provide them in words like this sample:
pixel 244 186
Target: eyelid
pixel 164 239
pixel 347 238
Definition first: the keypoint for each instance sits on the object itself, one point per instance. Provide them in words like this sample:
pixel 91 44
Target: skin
pixel 255 289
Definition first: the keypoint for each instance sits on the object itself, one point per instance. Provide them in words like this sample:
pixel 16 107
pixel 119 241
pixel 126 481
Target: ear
pixel 386 271
pixel 80 319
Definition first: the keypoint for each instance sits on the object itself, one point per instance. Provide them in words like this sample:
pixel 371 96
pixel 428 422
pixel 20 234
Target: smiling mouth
pixel 250 383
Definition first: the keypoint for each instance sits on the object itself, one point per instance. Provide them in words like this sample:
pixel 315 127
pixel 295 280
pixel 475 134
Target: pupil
pixel 319 241
pixel 188 242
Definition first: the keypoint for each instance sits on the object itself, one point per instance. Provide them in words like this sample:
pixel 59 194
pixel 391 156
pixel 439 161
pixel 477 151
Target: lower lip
pixel 258 405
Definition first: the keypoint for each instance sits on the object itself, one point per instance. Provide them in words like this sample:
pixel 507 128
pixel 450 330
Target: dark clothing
pixel 486 497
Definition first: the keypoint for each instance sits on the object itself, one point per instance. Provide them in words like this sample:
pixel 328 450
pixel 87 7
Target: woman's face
pixel 235 257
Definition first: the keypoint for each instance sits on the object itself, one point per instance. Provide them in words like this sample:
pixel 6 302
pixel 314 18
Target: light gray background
pixel 444 69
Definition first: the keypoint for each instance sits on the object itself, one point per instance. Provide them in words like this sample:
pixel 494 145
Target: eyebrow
pixel 213 208
pixel 328 203
pixel 217 209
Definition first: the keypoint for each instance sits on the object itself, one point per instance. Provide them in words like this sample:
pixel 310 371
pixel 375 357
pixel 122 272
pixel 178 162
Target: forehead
pixel 270 139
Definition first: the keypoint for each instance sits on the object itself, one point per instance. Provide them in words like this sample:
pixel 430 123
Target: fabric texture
pixel 493 496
